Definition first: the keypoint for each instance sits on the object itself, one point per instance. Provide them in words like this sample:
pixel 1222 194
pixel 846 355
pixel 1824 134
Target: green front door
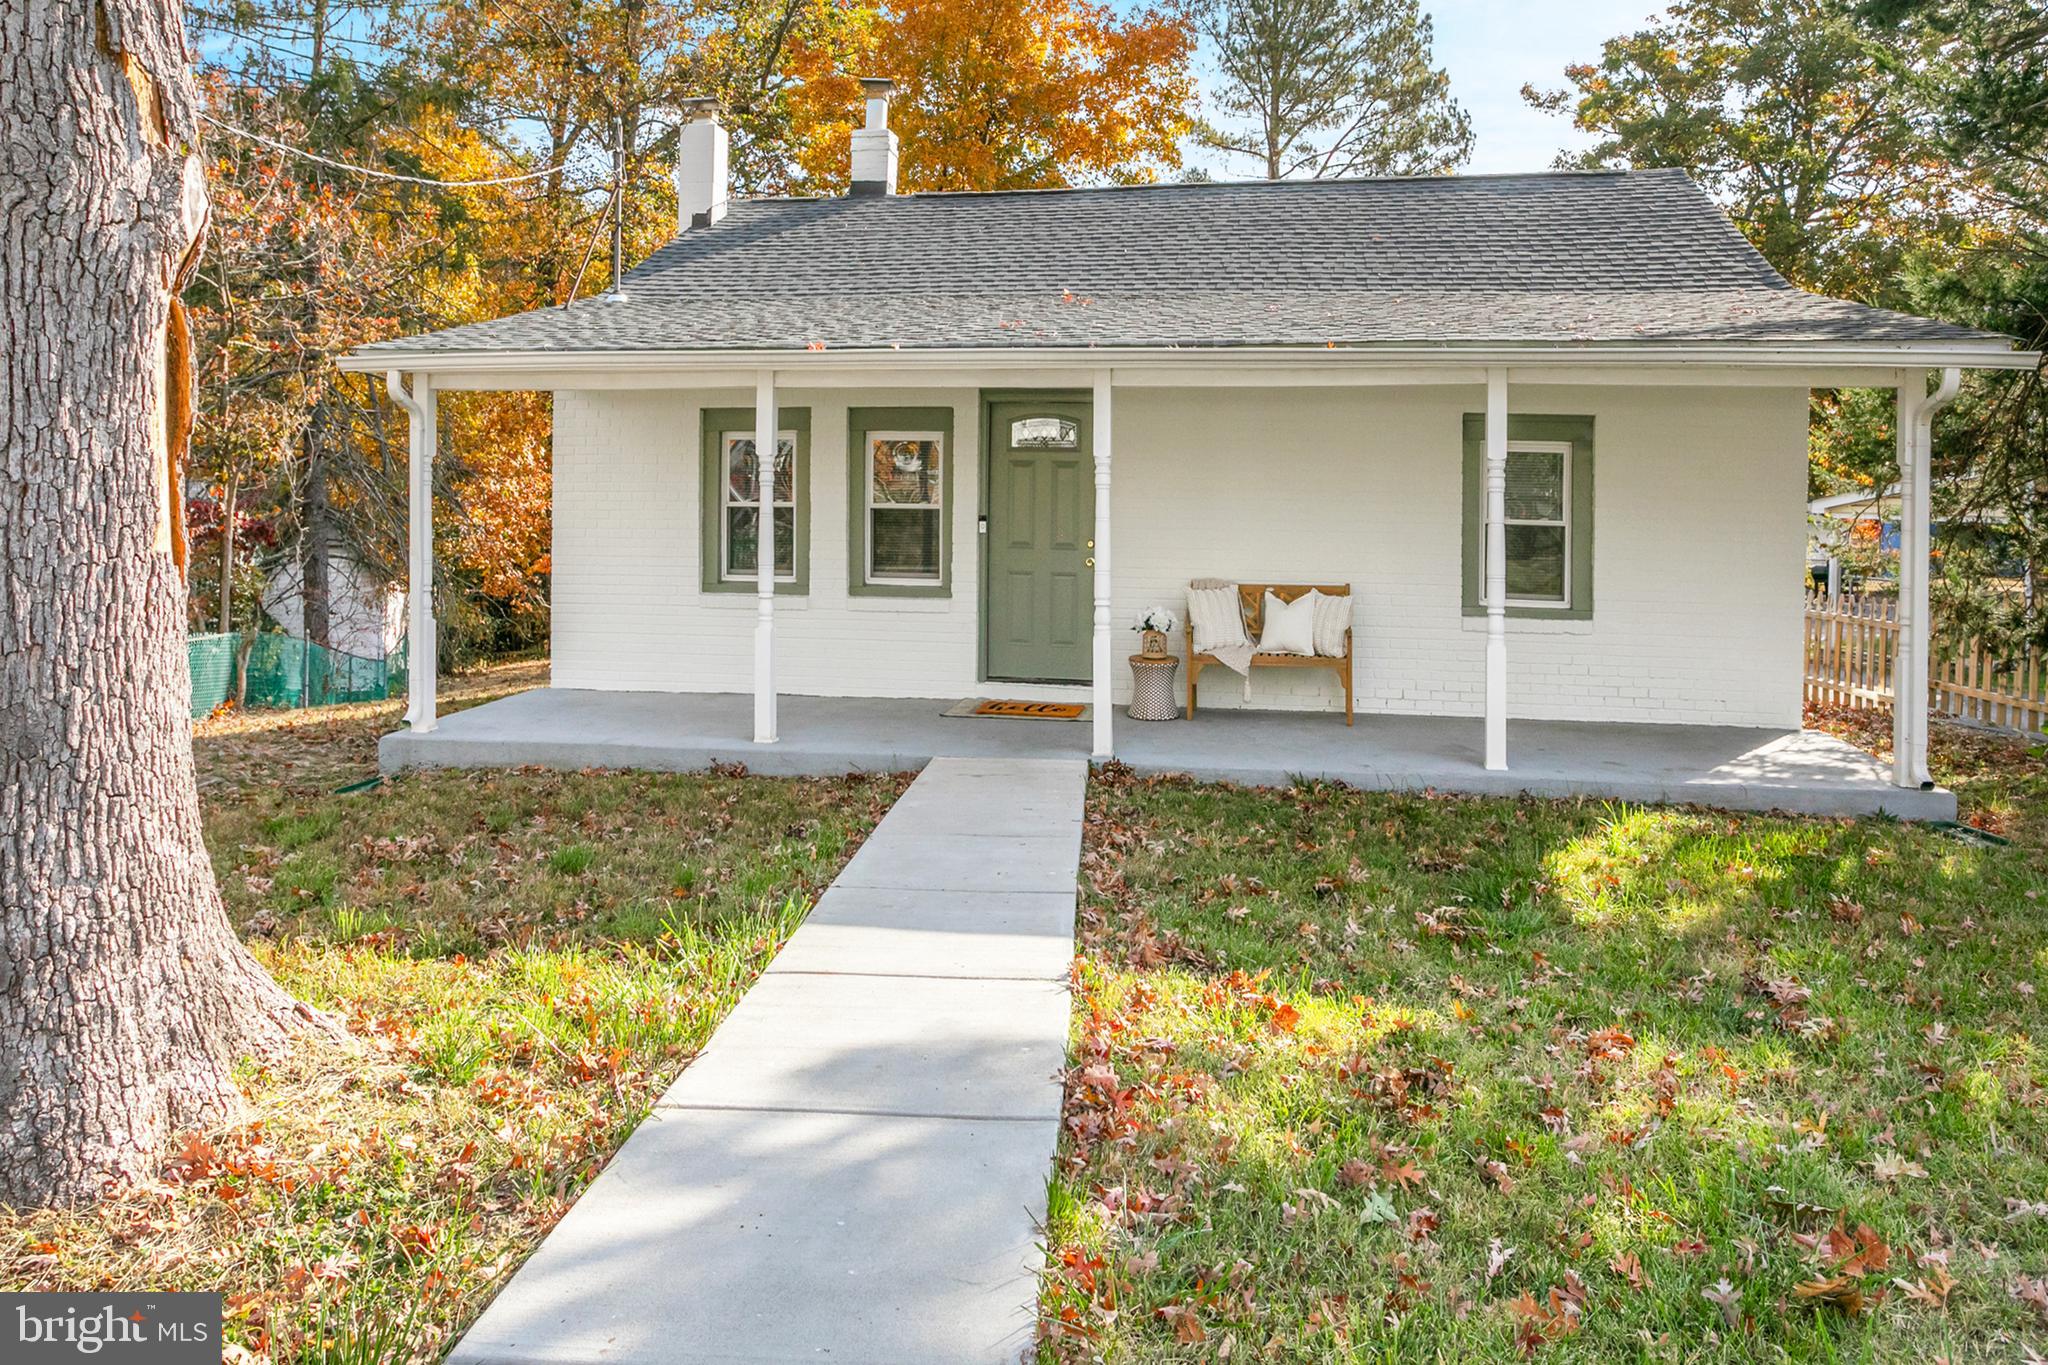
pixel 1036 599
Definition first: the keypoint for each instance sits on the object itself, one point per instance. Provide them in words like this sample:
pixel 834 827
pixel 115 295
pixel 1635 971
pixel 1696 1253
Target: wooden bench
pixel 1251 604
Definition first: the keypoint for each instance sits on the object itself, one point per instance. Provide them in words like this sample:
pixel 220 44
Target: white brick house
pixel 1016 420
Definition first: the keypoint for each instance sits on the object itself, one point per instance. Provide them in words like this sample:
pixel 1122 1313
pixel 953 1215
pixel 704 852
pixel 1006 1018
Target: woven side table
pixel 1152 688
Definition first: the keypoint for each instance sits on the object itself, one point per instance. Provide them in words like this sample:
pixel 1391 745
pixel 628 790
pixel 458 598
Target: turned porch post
pixel 1104 718
pixel 766 445
pixel 1496 568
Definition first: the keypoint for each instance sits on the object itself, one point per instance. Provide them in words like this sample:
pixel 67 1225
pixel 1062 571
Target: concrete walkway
pixel 855 1167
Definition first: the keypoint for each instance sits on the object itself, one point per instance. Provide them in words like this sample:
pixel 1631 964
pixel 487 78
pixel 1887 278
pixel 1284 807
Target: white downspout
pixel 1496 569
pixel 423 647
pixel 767 442
pixel 1104 717
pixel 1917 409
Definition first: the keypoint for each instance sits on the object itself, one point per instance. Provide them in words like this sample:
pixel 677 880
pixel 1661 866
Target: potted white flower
pixel 1154 625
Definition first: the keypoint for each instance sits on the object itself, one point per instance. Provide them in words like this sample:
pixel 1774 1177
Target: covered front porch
pixel 1737 768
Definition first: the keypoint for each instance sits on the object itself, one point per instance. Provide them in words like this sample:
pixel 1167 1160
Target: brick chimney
pixel 874 143
pixel 701 192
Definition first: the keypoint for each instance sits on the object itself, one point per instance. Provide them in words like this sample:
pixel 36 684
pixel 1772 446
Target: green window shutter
pixel 1530 427
pixel 860 422
pixel 717 423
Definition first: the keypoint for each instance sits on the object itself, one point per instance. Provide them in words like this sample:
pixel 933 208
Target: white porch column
pixel 1909 685
pixel 1496 568
pixel 1104 716
pixel 423 654
pixel 1916 534
pixel 766 431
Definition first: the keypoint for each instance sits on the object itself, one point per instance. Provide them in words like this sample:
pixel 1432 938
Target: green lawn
pixel 1367 1077
pixel 524 961
pixel 1356 1077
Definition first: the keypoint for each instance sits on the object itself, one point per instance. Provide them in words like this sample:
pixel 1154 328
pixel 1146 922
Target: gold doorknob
pixel 1089 561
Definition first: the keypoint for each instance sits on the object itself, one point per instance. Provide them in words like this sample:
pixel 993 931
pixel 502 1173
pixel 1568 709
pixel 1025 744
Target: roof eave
pixel 1788 355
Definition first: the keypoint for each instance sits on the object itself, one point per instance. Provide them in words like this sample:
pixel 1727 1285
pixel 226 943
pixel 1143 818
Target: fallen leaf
pixel 1841 1291
pixel 1498 1253
pixel 1931 1289
pixel 1728 1299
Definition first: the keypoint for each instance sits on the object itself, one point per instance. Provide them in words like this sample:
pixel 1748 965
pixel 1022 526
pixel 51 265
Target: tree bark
pixel 316 512
pixel 124 994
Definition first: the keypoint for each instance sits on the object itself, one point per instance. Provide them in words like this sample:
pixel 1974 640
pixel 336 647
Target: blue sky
pixel 1490 47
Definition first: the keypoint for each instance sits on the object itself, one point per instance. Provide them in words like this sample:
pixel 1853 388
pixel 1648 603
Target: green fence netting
pixel 285 670
pixel 212 659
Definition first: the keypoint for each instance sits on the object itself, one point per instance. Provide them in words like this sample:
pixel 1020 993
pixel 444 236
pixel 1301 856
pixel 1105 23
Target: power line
pixel 365 171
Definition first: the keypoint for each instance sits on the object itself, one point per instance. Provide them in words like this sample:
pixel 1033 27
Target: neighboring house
pixel 1839 522
pixel 1359 381
pixel 1874 519
pixel 365 618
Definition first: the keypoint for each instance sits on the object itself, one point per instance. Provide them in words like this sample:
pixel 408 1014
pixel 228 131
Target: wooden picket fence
pixel 1852 649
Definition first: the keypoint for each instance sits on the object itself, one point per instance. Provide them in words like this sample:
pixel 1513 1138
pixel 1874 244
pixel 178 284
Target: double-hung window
pixel 741 484
pixel 1548 528
pixel 899 501
pixel 906 512
pixel 1539 524
pixel 743 487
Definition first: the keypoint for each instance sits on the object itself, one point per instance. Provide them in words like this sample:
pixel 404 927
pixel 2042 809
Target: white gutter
pixel 1943 395
pixel 1989 356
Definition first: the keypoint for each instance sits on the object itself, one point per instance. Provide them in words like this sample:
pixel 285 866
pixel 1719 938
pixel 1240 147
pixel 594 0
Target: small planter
pixel 1152 644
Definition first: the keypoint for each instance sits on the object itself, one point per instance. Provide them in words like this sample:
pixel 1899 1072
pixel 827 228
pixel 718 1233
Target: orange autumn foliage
pixel 1008 94
pixel 504 533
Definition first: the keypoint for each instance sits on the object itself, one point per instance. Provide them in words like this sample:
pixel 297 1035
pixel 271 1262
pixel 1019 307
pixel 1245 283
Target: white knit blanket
pixel 1219 624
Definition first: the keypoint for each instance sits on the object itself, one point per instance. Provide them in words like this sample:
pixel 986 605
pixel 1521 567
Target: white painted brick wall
pixel 629 608
pixel 1699 544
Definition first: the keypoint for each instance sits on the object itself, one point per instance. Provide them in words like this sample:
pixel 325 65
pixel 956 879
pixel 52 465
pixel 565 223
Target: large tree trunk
pixel 124 994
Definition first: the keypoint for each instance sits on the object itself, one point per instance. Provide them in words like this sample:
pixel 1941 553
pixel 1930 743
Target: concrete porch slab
pixel 575 729
pixel 1736 768
pixel 720 1236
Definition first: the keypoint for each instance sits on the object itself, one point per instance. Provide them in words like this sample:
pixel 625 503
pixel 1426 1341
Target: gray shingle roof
pixel 1623 257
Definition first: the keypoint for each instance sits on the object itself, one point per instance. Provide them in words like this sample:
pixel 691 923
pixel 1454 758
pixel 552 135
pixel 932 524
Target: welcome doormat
pixel 1019 710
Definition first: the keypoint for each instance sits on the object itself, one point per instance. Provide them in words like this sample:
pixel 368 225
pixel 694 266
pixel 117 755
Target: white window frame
pixel 1563 450
pixel 726 439
pixel 937 507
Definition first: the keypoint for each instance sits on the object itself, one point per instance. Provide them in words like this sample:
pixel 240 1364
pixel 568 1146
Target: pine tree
pixel 1335 87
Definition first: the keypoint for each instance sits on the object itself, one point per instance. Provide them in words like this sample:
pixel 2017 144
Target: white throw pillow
pixel 1289 627
pixel 1333 618
pixel 1213 614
